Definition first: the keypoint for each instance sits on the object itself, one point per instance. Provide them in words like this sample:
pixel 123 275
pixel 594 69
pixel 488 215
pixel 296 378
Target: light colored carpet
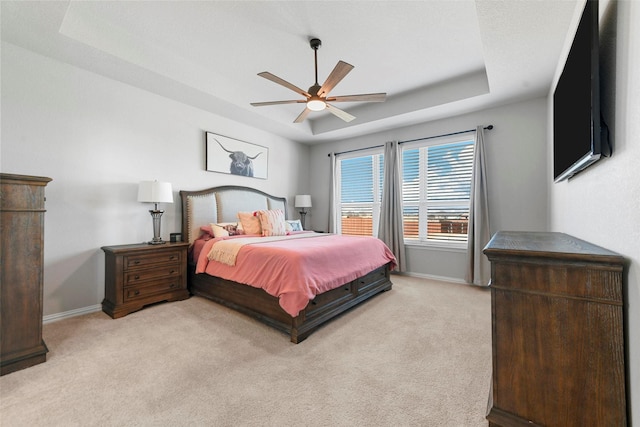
pixel 419 355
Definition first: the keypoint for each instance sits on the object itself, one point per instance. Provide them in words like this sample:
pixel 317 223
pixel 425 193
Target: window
pixel 436 184
pixel 360 189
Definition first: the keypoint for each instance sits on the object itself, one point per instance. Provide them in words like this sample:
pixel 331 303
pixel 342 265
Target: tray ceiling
pixel 432 58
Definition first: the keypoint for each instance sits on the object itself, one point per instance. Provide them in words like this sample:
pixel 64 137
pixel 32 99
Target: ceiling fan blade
pixel 267 75
pixel 293 101
pixel 340 113
pixel 339 72
pixel 302 116
pixel 365 97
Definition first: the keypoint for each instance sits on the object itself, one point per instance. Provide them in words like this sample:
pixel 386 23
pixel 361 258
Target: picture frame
pixel 235 157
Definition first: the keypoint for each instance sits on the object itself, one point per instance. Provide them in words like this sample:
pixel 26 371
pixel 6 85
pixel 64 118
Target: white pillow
pixel 293 225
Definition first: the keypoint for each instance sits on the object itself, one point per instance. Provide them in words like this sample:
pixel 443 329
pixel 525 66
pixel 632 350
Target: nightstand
pixel 141 274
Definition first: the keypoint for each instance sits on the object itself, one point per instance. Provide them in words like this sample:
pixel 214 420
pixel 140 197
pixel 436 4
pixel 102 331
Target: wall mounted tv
pixel 576 101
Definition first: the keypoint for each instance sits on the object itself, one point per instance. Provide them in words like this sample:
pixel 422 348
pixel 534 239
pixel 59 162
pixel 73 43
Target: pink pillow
pixel 250 222
pixel 207 230
pixel 272 222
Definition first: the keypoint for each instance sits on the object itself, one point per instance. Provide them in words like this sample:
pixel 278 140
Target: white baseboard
pixel 93 308
pixel 434 277
pixel 71 313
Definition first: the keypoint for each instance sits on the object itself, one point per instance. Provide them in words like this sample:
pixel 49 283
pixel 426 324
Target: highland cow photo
pixel 228 155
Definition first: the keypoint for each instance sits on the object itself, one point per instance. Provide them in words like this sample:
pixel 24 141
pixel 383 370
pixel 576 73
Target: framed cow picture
pixel 235 157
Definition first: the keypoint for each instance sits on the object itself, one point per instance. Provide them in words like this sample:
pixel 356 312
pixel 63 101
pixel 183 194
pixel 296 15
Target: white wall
pixel 97 138
pixel 516 153
pixel 602 204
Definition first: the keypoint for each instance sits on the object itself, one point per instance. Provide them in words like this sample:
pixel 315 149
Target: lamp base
pixel 302 213
pixel 156 215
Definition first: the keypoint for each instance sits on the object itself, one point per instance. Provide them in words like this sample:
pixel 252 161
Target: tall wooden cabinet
pixel 21 259
pixel 558 341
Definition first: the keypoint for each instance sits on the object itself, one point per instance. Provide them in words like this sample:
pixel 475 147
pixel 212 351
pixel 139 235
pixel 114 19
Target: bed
pixel 221 205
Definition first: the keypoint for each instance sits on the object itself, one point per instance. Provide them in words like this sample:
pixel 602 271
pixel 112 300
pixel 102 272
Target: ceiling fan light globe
pixel 316 105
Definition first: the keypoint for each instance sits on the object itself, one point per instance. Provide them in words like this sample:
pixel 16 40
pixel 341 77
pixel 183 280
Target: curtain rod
pixel 413 140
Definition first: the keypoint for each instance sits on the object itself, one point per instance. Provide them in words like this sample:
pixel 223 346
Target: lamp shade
pixel 303 201
pixel 155 192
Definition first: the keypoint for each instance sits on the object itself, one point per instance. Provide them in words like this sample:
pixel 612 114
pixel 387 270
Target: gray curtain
pixel 390 228
pixel 333 215
pixel 478 267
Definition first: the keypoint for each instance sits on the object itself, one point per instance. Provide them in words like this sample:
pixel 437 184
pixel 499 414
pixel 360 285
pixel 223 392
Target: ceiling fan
pixel 316 98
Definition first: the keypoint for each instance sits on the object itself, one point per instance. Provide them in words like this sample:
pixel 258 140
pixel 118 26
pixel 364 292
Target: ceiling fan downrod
pixel 315 45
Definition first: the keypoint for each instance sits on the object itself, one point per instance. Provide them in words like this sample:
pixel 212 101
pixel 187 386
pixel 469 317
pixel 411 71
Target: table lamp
pixel 155 192
pixel 303 202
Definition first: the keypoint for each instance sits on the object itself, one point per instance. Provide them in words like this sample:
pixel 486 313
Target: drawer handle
pixel 173 285
pixel 172 272
pixel 173 257
pixel 314 302
pixel 136 292
pixel 136 262
pixel 347 289
pixel 136 277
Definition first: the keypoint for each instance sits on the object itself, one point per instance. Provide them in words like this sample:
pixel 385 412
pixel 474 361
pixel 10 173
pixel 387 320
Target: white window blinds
pixel 436 184
pixel 360 193
pixel 436 188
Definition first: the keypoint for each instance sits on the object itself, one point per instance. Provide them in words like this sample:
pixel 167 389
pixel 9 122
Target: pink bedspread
pixel 297 270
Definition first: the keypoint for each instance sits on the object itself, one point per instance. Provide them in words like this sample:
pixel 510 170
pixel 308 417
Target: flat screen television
pixel 576 101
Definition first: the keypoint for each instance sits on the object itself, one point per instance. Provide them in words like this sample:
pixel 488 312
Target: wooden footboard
pixel 258 304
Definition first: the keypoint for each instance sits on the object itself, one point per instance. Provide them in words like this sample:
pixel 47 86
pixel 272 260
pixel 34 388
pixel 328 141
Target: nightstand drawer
pixel 144 260
pixel 158 287
pixel 135 277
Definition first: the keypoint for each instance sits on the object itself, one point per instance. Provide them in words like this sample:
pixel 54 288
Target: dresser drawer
pixel 557 279
pixel 145 260
pixel 136 277
pixel 158 287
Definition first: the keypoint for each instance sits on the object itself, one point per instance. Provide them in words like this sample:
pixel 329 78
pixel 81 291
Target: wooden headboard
pixel 222 204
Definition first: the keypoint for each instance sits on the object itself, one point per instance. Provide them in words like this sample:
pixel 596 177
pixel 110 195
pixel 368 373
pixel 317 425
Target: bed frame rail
pixel 258 304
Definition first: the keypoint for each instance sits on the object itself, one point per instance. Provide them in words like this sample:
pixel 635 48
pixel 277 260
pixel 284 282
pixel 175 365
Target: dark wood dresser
pixel 141 274
pixel 21 262
pixel 558 340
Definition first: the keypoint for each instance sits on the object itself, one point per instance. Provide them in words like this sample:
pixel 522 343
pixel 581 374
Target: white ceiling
pixel 433 58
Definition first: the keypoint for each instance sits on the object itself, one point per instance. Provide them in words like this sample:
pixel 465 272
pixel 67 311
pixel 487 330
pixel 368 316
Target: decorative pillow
pixel 293 225
pixel 225 229
pixel 272 222
pixel 234 229
pixel 250 222
pixel 206 229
